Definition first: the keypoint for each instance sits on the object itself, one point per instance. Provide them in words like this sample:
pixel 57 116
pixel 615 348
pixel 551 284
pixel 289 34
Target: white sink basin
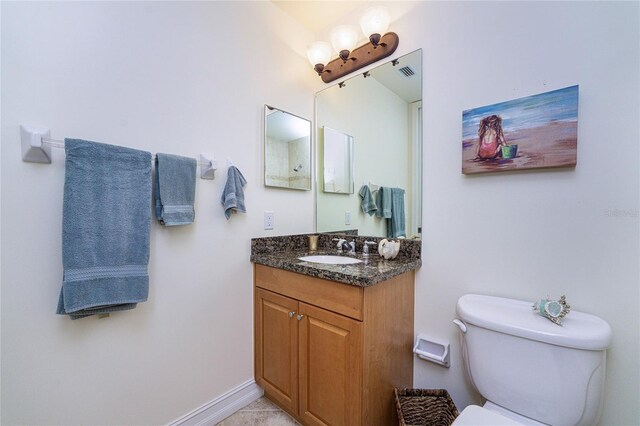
pixel 330 260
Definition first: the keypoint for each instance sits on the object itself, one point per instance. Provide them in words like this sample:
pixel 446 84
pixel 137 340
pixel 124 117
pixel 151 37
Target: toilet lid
pixel 474 415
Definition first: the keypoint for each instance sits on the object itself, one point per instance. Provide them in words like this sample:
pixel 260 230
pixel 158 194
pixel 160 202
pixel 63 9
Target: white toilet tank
pixel 528 365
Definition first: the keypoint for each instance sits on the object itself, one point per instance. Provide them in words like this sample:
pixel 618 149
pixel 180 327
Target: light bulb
pixel 375 21
pixel 319 52
pixel 344 37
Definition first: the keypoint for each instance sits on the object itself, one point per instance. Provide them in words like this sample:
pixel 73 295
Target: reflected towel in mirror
pixel 396 224
pixel 383 201
pixel 367 204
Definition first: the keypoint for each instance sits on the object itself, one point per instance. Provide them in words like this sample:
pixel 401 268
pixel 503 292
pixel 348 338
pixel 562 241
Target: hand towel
pixel 175 189
pixel 233 195
pixel 367 204
pixel 106 222
pixel 383 201
pixel 396 224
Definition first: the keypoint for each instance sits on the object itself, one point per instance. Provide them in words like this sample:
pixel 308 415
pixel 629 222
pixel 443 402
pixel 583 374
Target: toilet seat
pixel 475 415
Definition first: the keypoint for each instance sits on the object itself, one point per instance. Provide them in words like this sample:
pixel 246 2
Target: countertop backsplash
pixel 411 249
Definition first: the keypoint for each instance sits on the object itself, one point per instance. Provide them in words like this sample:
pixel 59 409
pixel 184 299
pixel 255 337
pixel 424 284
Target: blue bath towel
pixel 233 195
pixel 396 224
pixel 367 204
pixel 175 189
pixel 106 222
pixel 383 201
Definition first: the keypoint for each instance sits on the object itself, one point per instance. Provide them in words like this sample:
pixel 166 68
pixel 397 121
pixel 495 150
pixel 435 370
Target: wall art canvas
pixel 538 131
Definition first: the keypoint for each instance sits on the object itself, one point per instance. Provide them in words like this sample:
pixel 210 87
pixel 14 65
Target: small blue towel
pixel 233 195
pixel 106 223
pixel 175 189
pixel 367 204
pixel 383 201
pixel 396 224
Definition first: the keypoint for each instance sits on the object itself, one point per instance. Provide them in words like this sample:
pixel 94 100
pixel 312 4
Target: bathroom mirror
pixel 287 150
pixel 337 157
pixel 382 112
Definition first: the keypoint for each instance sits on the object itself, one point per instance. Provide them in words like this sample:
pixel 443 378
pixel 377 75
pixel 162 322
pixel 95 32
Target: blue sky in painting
pixel 525 113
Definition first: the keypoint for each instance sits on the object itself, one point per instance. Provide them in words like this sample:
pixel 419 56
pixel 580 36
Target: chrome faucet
pixel 365 248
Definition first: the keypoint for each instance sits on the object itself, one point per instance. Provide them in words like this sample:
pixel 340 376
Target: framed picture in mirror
pixel 337 149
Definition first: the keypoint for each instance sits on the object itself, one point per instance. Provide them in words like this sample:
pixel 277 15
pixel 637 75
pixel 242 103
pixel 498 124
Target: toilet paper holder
pixel 434 350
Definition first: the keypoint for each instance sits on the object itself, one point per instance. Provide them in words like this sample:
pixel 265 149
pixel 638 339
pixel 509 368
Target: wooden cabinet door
pixel 276 347
pixel 330 368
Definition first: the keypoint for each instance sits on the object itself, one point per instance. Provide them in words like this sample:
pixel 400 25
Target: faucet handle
pixel 340 241
pixel 352 244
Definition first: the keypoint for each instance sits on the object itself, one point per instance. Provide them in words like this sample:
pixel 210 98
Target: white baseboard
pixel 222 407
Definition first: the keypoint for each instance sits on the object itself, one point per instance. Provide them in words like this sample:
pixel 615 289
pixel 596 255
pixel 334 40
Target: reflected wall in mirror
pixel 382 110
pixel 287 150
pixel 337 148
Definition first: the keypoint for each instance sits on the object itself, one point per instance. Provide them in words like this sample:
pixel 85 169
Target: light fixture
pixel 344 38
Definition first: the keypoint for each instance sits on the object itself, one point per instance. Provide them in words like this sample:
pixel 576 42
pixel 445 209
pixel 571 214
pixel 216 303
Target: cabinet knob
pixel 291 314
pixel 300 317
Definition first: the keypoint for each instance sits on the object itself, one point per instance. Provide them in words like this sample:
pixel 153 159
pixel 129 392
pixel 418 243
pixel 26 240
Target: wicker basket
pixel 425 407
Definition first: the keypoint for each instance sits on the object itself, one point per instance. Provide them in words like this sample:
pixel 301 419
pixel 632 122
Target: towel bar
pixel 37 143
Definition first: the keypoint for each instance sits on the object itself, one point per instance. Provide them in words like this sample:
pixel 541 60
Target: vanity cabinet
pixel 330 353
pixel 303 345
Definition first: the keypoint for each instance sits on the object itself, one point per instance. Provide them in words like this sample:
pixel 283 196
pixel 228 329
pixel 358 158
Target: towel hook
pixel 208 165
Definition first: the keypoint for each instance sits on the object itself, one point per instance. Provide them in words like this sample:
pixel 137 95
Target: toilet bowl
pixel 530 370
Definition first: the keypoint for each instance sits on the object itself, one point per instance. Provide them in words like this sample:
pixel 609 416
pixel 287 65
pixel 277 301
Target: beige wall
pixel 528 234
pixel 177 77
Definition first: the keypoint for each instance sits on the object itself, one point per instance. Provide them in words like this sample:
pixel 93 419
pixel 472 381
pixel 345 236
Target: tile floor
pixel 260 412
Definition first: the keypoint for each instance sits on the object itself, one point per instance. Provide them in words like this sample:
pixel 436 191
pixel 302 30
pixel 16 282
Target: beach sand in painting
pixel 551 145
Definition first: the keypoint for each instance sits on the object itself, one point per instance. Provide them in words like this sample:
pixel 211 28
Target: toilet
pixel 530 370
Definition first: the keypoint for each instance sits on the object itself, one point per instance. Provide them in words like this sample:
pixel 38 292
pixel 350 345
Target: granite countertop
pixel 284 254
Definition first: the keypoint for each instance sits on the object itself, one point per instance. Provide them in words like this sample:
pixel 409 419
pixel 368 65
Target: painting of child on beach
pixel 527 133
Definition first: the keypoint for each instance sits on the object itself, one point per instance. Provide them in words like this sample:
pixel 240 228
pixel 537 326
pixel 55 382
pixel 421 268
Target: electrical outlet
pixel 268 220
pixel 347 218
